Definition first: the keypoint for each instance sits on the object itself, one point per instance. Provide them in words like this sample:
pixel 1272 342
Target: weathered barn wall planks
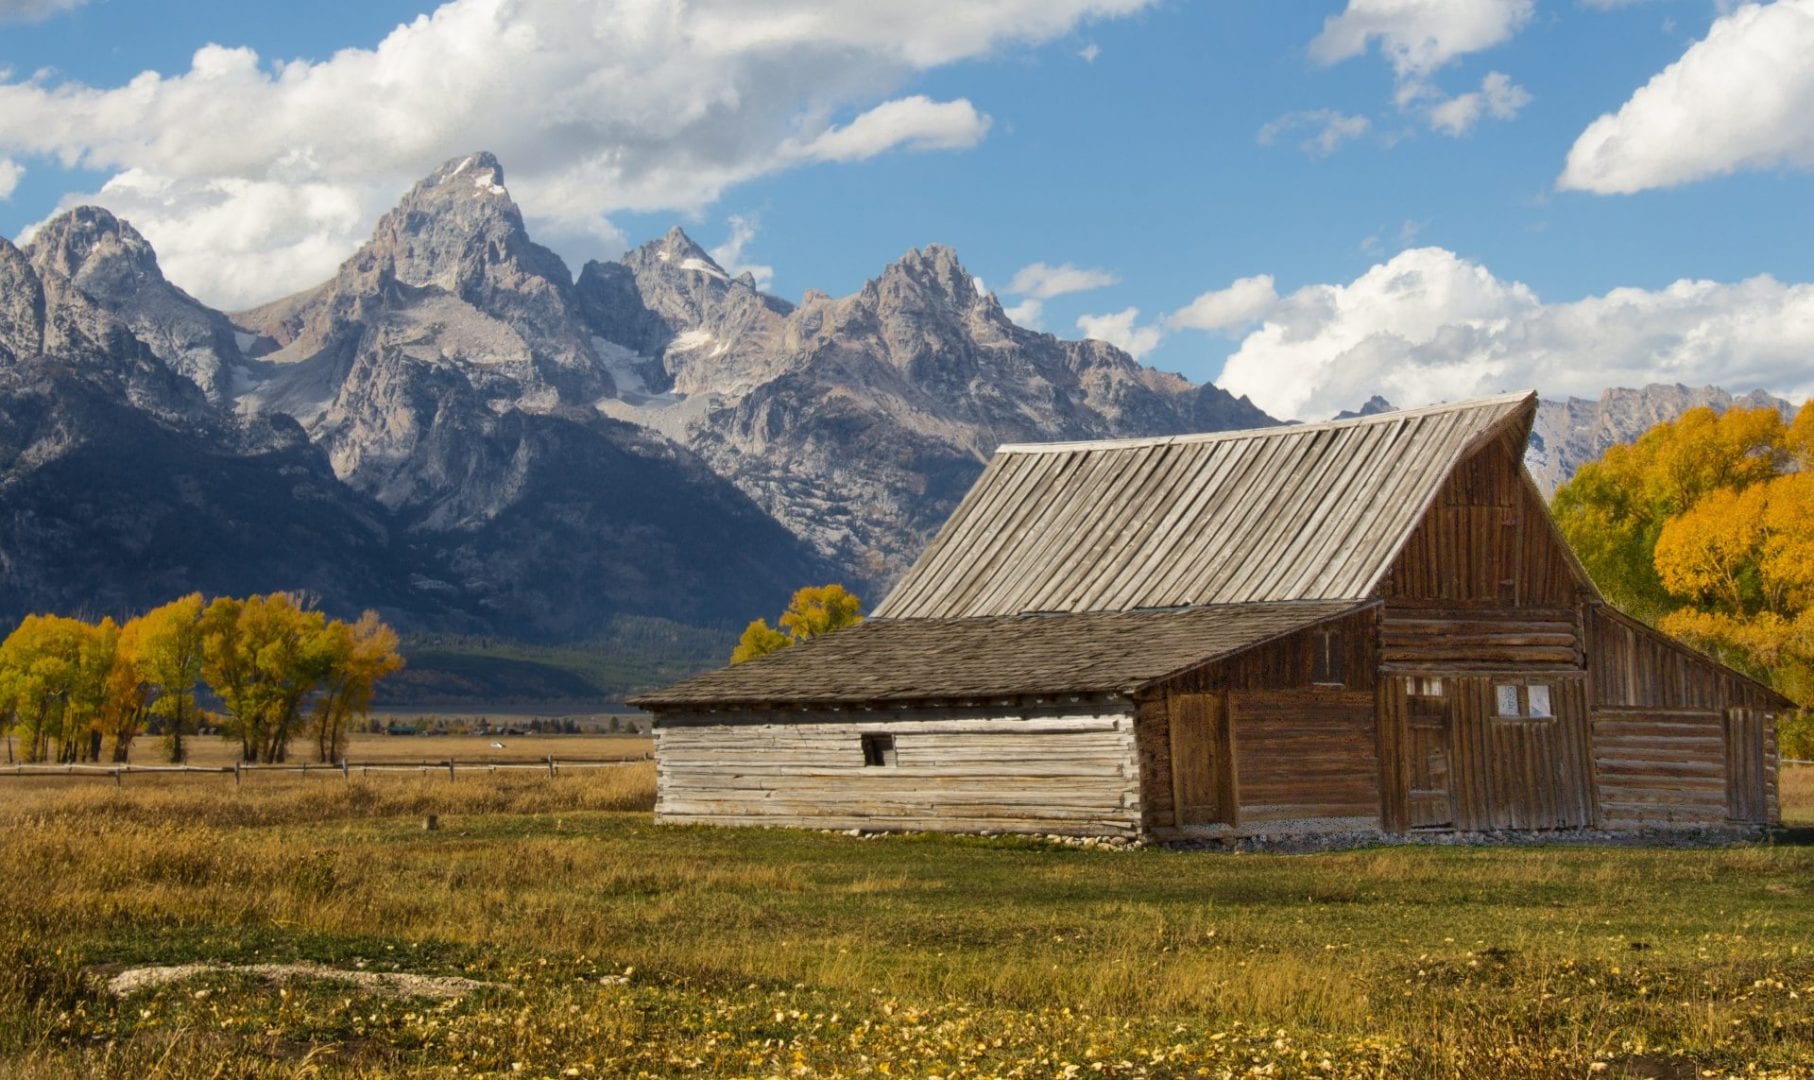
pixel 1056 772
pixel 1425 637
pixel 1487 539
pixel 1677 739
pixel 1466 762
pixel 1278 738
pixel 1305 759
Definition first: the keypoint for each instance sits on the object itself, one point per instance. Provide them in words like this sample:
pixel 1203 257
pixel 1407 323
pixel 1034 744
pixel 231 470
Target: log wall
pixel 1286 746
pixel 1021 770
pixel 1677 739
pixel 1304 759
pixel 1426 637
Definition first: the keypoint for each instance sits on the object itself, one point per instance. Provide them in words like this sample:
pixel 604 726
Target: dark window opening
pixel 1327 666
pixel 878 750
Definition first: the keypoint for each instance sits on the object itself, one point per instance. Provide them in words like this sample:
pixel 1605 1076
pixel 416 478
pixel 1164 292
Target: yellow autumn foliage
pixel 1705 527
pixel 814 610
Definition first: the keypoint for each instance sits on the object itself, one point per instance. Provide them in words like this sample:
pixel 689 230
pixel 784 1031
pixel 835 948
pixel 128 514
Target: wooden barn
pixel 1366 625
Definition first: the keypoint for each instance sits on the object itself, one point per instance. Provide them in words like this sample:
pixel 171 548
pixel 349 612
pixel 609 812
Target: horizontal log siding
pixel 1660 768
pixel 1663 731
pixel 961 771
pixel 1305 758
pixel 1431 638
pixel 1284 664
pixel 1487 539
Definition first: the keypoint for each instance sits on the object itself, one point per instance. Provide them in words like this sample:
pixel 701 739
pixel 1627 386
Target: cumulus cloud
pixel 35 10
pixel 1428 325
pixel 1328 130
pixel 1737 99
pixel 642 105
pixel 11 172
pixel 1029 313
pixel 1498 97
pixel 1241 303
pixel 1042 281
pixel 730 253
pixel 1122 330
pixel 1419 36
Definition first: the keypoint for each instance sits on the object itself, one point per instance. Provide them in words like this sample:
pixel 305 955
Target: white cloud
pixel 640 105
pixel 1120 330
pixel 1043 281
pixel 1738 99
pixel 34 10
pixel 11 172
pixel 730 253
pixel 1498 97
pixel 1090 52
pixel 1241 303
pixel 1419 36
pixel 1329 129
pixel 913 123
pixel 1029 313
pixel 1428 325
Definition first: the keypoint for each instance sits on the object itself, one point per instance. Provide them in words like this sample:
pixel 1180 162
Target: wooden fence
pixel 239 770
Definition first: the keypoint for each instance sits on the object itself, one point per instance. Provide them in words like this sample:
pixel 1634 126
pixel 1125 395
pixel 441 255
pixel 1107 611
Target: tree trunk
pixel 177 755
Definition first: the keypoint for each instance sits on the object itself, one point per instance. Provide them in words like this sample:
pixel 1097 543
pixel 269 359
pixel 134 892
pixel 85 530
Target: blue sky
pixel 1165 147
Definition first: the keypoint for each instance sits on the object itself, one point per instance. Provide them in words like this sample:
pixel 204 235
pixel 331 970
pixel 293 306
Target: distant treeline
pixel 70 689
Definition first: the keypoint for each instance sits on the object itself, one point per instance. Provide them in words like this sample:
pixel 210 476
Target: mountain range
pixel 458 431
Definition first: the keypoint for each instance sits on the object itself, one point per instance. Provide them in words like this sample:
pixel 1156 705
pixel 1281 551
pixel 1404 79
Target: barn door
pixel 1197 759
pixel 1429 735
pixel 1745 765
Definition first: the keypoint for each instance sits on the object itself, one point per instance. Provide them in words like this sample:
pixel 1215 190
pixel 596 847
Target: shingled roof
pixel 898 660
pixel 1306 512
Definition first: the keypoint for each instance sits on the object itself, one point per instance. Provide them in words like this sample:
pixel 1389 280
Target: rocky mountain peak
pixel 95 269
pixel 1372 407
pixel 96 250
pixel 931 274
pixel 455 227
pixel 680 250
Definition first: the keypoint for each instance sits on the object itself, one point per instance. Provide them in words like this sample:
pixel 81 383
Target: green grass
pixel 760 953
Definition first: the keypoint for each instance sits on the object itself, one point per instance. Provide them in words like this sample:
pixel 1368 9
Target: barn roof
pixel 1302 512
pixel 897 660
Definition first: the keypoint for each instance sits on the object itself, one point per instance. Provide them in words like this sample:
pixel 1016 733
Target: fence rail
pixel 552 765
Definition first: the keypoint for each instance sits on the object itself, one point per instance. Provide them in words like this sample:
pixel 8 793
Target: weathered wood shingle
pixel 1312 512
pixel 898 660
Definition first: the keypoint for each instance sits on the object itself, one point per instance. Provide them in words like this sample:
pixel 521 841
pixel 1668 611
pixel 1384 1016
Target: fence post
pixel 345 773
pixel 450 768
pixel 551 765
pixel 116 778
pixel 236 766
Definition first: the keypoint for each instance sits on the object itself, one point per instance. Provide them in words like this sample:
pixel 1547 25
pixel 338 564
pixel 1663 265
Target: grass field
pixel 617 947
pixel 428 748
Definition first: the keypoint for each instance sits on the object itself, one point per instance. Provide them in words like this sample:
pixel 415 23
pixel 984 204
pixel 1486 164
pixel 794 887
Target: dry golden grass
pixel 761 952
pixel 214 751
pixel 1797 790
